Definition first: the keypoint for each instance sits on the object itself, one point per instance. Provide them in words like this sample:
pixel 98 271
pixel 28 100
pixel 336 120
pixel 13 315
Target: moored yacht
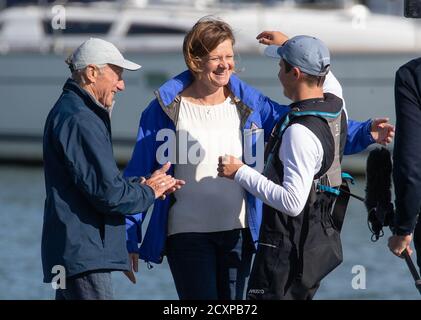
pixel 35 39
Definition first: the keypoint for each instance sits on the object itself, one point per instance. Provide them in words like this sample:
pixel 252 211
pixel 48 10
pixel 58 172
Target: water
pixel 22 198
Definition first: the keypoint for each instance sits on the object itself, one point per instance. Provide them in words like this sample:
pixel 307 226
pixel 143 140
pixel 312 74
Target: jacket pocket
pixel 270 246
pixel 271 268
pixel 322 255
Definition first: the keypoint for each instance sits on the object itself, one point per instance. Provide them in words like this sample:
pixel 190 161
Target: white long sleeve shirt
pixel 301 154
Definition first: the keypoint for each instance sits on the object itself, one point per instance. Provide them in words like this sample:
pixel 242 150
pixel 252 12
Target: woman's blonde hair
pixel 205 36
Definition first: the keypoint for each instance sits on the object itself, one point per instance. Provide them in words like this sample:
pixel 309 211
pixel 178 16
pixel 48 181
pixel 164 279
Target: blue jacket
pixel 86 196
pixel 256 110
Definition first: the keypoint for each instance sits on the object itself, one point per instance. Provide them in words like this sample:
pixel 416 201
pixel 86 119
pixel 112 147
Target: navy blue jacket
pixel 407 150
pixel 86 196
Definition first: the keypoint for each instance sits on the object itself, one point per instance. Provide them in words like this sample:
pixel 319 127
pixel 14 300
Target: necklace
pixel 200 101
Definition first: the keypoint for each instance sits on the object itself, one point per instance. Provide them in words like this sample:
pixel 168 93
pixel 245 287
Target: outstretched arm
pixel 362 134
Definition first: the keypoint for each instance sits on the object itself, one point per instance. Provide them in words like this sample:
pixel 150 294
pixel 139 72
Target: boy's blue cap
pixel 309 54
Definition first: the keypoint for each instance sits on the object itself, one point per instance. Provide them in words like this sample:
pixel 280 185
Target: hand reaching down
pixel 134 263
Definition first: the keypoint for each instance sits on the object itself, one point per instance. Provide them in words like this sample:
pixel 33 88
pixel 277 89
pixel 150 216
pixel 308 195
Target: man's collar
pixel 72 84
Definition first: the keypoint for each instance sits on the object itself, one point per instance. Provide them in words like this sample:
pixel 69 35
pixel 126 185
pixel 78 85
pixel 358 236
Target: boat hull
pixel 31 83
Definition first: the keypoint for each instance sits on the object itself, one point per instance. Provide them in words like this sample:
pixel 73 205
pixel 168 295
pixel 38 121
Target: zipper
pixel 267 245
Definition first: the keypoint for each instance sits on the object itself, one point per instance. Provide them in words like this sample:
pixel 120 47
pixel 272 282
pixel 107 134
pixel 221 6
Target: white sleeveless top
pixel 207 203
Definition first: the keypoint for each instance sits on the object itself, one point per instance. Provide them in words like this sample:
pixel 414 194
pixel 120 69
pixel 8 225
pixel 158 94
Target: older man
pixel 86 196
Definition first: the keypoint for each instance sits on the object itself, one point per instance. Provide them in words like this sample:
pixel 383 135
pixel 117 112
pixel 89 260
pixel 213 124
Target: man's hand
pixel 228 166
pixel 178 183
pixel 272 38
pixel 397 244
pixel 382 131
pixel 134 264
pixel 160 182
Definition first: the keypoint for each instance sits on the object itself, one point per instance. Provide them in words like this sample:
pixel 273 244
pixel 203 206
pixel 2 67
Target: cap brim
pixel 273 51
pixel 128 65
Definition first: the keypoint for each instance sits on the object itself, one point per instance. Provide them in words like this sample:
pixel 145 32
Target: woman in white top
pixel 209 248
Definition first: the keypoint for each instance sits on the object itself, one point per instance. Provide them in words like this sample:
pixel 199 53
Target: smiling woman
pixel 209 55
pixel 208 244
pixel 207 232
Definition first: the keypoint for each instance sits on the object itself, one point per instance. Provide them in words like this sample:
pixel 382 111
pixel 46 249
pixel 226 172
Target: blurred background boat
pixel 36 37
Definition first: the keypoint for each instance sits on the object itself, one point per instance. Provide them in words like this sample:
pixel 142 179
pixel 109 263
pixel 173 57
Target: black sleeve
pixel 407 150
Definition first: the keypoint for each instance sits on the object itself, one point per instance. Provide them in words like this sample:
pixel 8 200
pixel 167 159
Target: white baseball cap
pixel 97 51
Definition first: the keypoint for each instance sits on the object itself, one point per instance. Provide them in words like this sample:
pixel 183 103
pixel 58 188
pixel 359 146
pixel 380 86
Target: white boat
pixel 367 48
pixel 156 26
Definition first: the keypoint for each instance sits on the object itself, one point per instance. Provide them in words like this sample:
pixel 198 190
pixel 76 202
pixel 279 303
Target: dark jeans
pixel 210 266
pixel 91 285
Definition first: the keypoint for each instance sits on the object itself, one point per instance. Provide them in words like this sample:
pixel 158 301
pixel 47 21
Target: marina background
pixel 28 93
pixel 368 44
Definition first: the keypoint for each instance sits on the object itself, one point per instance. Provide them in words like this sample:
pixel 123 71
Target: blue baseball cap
pixel 309 54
